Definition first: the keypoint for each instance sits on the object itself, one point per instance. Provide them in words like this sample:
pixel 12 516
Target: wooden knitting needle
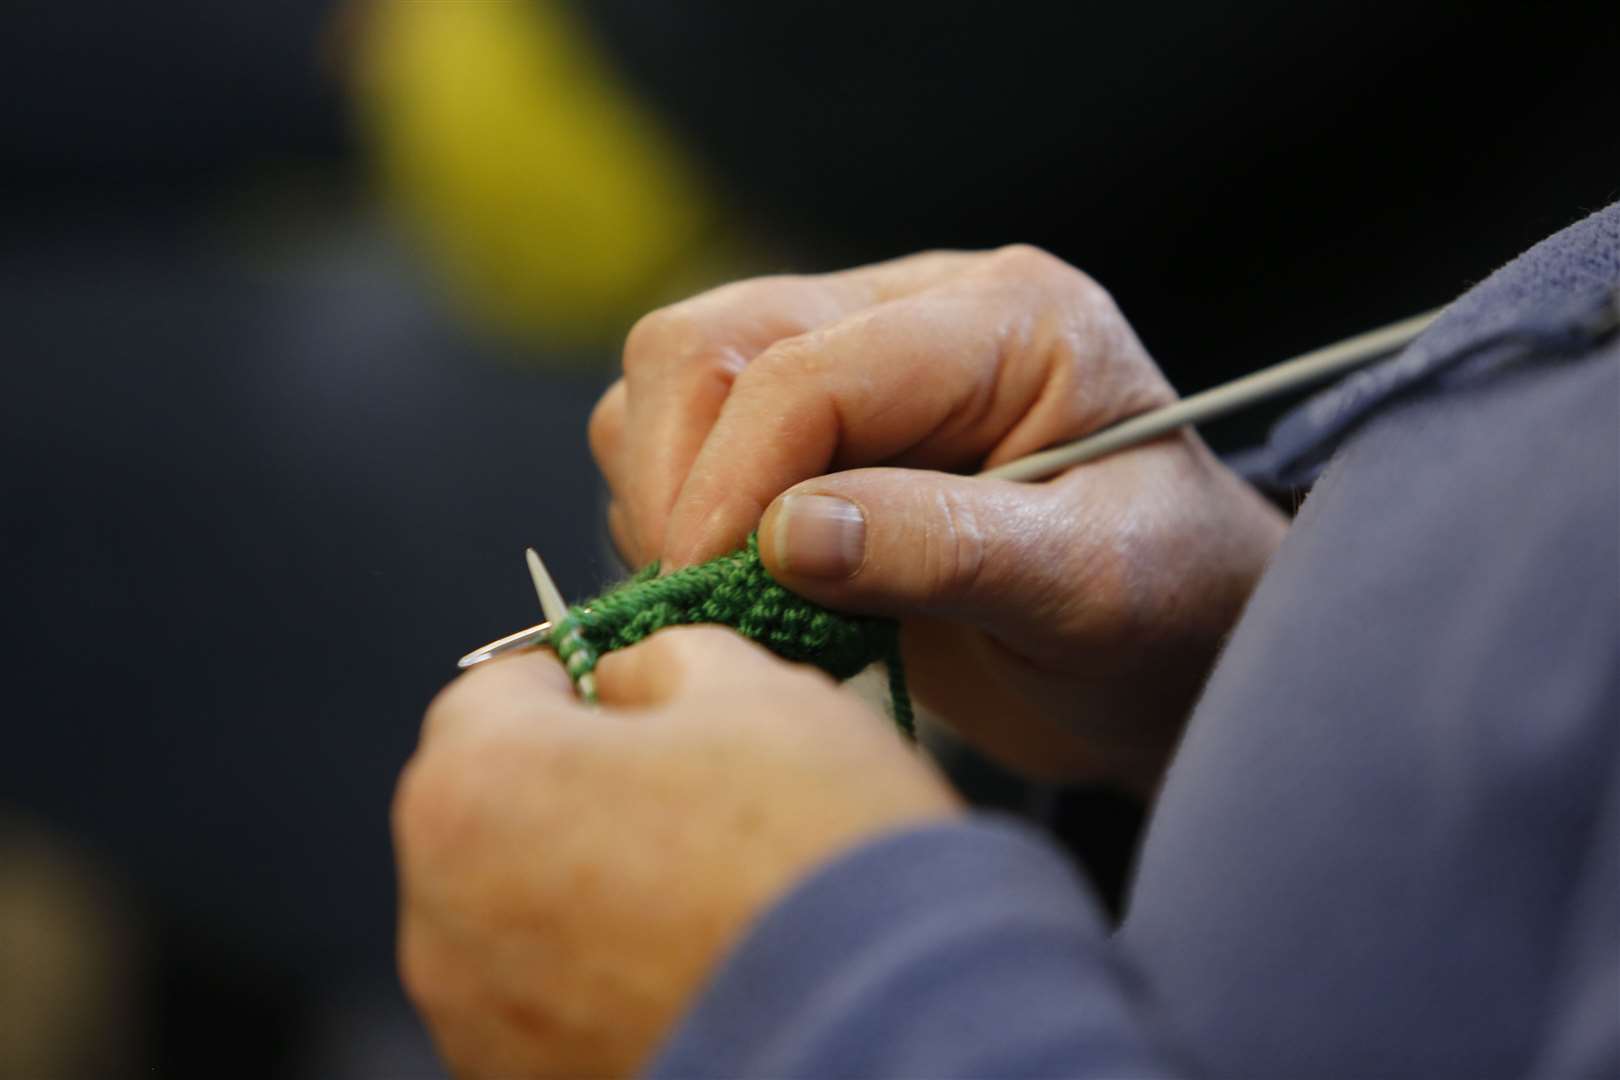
pixel 1274 381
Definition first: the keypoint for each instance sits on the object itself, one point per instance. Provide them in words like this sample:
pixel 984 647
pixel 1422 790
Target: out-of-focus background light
pixel 304 306
pixel 553 200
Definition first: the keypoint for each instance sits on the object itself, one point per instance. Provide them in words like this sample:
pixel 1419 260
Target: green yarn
pixel 733 590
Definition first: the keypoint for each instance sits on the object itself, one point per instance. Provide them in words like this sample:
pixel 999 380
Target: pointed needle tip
pixel 551 601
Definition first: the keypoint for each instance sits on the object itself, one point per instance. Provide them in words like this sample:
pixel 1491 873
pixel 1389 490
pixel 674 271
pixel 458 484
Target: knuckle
pixel 955 551
pixel 623 534
pixel 703 655
pixel 422 970
pixel 686 645
pixel 1096 300
pixel 658 337
pixel 1031 263
pixel 606 423
pixel 430 807
pixel 687 338
pixel 440 714
pixel 453 801
pixel 464 697
pixel 1027 260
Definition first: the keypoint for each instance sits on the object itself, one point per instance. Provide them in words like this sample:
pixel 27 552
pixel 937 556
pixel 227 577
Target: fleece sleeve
pixel 969 949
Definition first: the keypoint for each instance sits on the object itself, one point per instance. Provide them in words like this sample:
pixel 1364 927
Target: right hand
pixel 547 928
pixel 1064 627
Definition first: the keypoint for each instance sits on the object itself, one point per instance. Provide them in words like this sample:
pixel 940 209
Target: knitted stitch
pixel 736 591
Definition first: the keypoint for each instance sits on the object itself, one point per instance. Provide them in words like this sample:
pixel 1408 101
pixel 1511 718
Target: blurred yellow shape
pixel 554 203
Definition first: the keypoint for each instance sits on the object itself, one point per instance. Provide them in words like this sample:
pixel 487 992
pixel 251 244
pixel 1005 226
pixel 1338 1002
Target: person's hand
pixel 569 877
pixel 1064 627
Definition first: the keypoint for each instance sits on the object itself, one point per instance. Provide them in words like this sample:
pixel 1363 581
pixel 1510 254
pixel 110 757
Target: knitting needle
pixel 556 610
pixel 551 603
pixel 532 638
pixel 1283 378
pixel 1223 400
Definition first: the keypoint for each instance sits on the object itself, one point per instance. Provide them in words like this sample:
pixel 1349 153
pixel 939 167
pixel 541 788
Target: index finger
pixel 681 363
pixel 524 690
pixel 678 659
pixel 1015 354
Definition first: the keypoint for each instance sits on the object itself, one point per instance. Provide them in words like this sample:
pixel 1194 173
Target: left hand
pixel 569 878
pixel 1063 628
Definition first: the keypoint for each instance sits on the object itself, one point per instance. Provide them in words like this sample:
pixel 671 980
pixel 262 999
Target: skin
pixel 569 878
pixel 1066 627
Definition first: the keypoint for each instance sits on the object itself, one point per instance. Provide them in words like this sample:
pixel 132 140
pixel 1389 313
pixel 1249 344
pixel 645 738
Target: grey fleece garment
pixel 1389 844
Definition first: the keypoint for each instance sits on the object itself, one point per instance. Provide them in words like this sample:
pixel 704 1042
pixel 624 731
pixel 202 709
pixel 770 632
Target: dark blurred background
pixel 304 306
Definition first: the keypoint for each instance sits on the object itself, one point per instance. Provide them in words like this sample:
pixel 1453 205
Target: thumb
pixel 909 542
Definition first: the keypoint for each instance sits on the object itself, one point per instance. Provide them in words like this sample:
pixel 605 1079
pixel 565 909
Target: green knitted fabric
pixel 733 590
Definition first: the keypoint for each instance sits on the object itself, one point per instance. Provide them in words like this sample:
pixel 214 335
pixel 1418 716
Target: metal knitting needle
pixel 551 603
pixel 556 610
pixel 532 638
pixel 1274 381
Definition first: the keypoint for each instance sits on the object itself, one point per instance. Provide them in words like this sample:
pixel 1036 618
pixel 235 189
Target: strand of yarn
pixel 736 591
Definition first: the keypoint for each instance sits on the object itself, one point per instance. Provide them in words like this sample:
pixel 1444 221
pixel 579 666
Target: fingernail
pixel 820 536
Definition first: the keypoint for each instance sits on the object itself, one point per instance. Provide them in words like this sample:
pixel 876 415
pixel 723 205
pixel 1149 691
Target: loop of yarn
pixel 736 591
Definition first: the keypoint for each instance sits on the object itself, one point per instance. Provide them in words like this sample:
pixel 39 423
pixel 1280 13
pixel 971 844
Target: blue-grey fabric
pixel 1389 844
